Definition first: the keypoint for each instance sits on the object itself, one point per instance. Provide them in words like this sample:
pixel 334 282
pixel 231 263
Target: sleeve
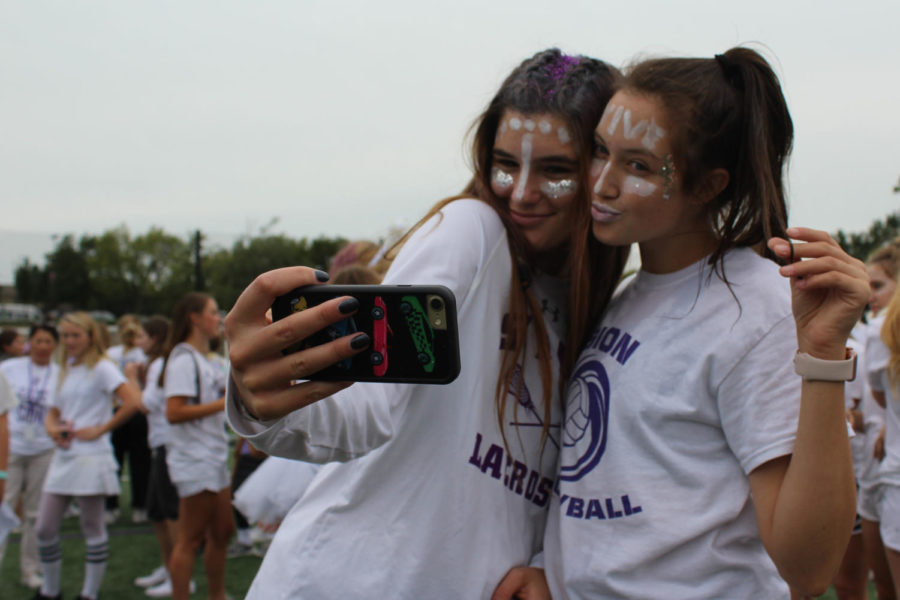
pixel 181 375
pixel 152 396
pixel 110 376
pixel 8 399
pixel 855 389
pixel 877 358
pixel 448 250
pixel 759 400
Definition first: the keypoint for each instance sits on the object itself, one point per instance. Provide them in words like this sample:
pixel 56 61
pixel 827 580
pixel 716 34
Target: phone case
pixel 412 328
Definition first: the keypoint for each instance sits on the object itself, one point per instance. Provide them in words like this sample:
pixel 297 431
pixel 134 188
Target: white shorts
pixel 868 502
pixel 890 516
pixel 211 479
pixel 82 474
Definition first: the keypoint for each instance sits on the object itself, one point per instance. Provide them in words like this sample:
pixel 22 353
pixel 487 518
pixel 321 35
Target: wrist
pixel 3 475
pixel 813 368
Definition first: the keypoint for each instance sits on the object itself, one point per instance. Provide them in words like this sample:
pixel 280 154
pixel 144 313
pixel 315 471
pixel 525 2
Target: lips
pixel 604 214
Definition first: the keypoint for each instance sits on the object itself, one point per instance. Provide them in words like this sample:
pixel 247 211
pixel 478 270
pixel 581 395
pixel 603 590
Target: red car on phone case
pixel 380 330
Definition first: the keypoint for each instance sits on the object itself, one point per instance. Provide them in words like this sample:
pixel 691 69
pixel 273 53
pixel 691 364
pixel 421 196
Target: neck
pixel 674 253
pixel 199 341
pixel 41 361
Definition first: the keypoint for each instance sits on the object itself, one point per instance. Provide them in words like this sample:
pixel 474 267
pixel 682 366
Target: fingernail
pixel 322 276
pixel 359 342
pixel 348 306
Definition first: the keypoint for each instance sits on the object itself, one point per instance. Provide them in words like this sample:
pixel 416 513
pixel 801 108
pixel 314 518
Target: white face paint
pixel 559 189
pixel 515 124
pixel 636 185
pixel 563 135
pixel 651 132
pixel 599 169
pixel 519 192
pixel 501 178
pixel 545 127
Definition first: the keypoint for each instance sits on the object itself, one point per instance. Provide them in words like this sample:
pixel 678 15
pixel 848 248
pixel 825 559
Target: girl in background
pixel 79 421
pixel 695 462
pixel 197 447
pixel 34 379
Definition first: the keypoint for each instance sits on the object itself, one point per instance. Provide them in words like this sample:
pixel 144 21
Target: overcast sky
pixel 345 117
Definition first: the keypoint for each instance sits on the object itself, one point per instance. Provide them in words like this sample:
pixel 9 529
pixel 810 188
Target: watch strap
pixel 817 369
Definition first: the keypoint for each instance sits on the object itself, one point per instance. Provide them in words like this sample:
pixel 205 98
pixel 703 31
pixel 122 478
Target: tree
pixel 68 281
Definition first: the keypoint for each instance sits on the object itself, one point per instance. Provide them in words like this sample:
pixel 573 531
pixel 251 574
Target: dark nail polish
pixel 348 306
pixel 359 342
pixel 322 276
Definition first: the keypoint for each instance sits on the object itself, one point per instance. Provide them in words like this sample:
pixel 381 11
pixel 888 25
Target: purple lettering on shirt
pixel 518 475
pixel 576 508
pixel 493 460
pixel 475 459
pixel 594 510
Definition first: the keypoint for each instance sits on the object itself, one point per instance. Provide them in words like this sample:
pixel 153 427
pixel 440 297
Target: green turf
pixel 133 552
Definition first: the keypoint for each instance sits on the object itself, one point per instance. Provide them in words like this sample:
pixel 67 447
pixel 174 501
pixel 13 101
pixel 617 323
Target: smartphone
pixel 412 328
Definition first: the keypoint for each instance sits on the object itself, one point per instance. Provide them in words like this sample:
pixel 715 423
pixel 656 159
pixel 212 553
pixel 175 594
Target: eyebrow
pixel 500 153
pixel 639 150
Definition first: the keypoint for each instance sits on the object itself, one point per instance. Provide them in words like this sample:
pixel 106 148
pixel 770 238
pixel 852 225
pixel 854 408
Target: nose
pixel 603 179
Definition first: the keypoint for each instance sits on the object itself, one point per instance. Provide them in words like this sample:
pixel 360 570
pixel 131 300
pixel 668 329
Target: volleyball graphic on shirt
pixel 587 415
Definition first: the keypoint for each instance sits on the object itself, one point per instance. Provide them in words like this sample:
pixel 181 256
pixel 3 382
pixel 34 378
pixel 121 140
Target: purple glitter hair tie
pixel 558 69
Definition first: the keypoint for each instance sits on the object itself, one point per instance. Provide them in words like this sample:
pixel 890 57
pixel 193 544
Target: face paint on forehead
pixel 651 132
pixel 515 123
pixel 501 178
pixel 529 125
pixel 519 193
pixel 559 189
pixel 563 134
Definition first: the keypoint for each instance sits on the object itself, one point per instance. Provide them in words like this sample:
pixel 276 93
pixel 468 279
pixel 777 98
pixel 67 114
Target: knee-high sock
pixel 95 555
pixel 50 553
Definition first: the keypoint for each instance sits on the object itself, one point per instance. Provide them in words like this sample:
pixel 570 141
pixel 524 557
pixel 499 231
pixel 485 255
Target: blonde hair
pixel 128 332
pixel 888 258
pixel 96 350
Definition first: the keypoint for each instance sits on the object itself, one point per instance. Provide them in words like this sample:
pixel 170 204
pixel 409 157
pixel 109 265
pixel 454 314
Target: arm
pixel 130 397
pixel 178 410
pixel 308 421
pixel 805 503
pixel 524 583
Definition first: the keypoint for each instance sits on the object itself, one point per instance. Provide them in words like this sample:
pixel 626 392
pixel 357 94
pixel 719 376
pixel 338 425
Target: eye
pixel 558 171
pixel 600 150
pixel 506 163
pixel 638 167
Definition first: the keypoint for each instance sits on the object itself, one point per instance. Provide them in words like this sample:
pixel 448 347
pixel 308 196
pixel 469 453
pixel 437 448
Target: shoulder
pixel 14 365
pixel 755 285
pixel 467 216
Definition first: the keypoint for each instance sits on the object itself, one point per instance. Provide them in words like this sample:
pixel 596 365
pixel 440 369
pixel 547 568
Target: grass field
pixel 132 552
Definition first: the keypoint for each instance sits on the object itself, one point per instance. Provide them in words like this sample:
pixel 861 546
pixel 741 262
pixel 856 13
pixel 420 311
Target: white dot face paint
pixel 545 127
pixel 519 193
pixel 636 185
pixel 559 189
pixel 501 179
pixel 563 134
pixel 515 124
pixel 502 128
pixel 529 125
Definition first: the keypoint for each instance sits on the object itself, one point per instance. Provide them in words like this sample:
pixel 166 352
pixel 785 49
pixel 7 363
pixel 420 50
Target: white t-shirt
pixel 8 398
pixel 878 356
pixel 84 399
pixel 118 355
pixel 679 395
pixel 873 414
pixel 154 400
pixel 433 506
pixel 34 386
pixel 194 446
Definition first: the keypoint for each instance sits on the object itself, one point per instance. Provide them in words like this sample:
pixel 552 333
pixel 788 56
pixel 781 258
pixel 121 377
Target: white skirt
pixel 208 478
pixel 82 474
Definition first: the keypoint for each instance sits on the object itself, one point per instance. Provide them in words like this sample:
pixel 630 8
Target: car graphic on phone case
pixel 420 330
pixel 380 330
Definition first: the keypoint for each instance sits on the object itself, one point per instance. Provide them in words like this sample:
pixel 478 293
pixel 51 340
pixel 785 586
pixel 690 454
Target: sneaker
pixel 236 550
pixel 164 589
pixel 158 576
pixel 138 515
pixel 111 516
pixel 32 580
pixel 40 596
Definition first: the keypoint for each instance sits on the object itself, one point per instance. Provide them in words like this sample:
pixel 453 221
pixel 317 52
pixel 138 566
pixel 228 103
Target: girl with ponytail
pixel 695 461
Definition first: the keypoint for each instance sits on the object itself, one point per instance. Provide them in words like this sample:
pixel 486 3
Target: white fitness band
pixel 817 369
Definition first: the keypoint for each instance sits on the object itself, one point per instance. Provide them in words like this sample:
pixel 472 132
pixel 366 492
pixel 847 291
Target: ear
pixel 714 182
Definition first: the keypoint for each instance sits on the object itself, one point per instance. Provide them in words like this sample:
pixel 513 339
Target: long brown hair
pixel 575 89
pixel 189 304
pixel 729 113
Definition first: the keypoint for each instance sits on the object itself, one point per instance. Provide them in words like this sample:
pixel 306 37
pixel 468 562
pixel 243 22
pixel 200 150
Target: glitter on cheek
pixel 558 189
pixel 638 186
pixel 502 180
